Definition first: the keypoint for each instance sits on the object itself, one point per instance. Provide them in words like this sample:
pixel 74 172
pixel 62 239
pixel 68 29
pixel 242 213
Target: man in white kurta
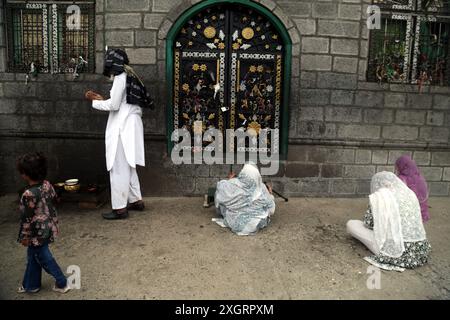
pixel 124 147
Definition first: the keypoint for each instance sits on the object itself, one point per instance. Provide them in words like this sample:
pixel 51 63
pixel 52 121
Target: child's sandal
pixel 61 290
pixel 23 290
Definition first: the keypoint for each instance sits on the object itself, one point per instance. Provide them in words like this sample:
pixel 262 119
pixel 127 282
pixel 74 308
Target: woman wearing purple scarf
pixel 409 173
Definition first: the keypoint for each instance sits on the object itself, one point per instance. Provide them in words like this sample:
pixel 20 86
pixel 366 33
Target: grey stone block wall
pixel 342 129
pixel 346 171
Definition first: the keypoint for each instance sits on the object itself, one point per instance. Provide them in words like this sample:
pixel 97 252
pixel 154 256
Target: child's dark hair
pixel 33 165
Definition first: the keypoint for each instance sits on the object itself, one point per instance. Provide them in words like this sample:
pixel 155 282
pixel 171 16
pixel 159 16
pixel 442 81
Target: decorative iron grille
pixel 228 63
pixel 412 45
pixel 40 33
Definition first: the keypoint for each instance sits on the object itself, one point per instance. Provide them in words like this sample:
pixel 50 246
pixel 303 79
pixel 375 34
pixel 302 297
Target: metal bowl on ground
pixel 71 182
pixel 72 185
pixel 72 188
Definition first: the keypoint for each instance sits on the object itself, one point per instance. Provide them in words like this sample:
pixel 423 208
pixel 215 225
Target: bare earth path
pixel 174 251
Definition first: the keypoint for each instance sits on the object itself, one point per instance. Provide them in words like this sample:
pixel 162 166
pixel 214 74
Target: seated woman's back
pixel 244 202
pixel 392 228
pixel 408 205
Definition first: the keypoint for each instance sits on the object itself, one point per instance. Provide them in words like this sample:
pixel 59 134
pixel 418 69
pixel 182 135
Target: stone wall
pixel 342 129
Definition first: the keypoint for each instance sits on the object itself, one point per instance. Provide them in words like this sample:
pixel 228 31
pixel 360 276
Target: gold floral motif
pixel 209 32
pixel 195 67
pixel 198 27
pixel 267 46
pixel 256 92
pixel 275 36
pixel 252 69
pixel 258 29
pixel 203 67
pixel 254 128
pixel 236 46
pixel 239 41
pixel 248 33
pixel 260 68
pixel 216 41
pixel 214 18
pixel 221 46
pixel 190 43
pixel 185 87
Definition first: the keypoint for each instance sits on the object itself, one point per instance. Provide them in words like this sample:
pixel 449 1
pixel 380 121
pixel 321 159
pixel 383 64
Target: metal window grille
pixel 412 45
pixel 387 52
pixel 41 33
pixel 433 61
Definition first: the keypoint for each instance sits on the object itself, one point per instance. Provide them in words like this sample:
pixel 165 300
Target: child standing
pixel 38 224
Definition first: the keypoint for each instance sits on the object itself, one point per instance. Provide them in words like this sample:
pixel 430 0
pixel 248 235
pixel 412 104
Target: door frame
pixel 279 26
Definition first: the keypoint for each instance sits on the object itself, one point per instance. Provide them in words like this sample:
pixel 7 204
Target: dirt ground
pixel 174 251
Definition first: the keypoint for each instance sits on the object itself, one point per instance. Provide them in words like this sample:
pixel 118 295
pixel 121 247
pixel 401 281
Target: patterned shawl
pixel 116 62
pixel 409 173
pixel 396 214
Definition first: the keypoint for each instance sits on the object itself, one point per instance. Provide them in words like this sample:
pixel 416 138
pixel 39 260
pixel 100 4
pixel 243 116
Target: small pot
pixel 72 188
pixel 71 182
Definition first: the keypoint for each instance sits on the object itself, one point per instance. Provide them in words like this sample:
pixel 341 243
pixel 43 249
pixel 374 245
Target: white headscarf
pixel 250 174
pixel 244 202
pixel 396 214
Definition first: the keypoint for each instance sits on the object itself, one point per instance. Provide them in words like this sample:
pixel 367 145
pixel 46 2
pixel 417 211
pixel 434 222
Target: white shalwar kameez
pixel 124 140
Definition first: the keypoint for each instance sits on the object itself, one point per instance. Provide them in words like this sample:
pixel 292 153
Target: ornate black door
pixel 228 63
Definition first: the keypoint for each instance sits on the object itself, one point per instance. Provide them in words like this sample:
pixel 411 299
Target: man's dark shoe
pixel 116 214
pixel 138 206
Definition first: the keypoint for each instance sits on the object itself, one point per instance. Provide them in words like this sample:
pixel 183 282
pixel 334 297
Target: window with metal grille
pixel 412 44
pixel 53 36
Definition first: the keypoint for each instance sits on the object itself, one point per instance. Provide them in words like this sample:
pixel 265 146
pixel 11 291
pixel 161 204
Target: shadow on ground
pixel 174 251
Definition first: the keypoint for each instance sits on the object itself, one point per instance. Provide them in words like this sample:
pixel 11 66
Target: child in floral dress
pixel 38 225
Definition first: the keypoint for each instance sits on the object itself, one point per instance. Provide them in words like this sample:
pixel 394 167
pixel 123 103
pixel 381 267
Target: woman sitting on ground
pixel 392 227
pixel 409 173
pixel 245 203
